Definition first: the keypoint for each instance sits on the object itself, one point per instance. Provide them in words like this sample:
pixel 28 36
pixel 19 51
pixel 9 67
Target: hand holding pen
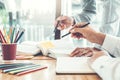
pixel 87 32
pixel 78 30
pixel 77 34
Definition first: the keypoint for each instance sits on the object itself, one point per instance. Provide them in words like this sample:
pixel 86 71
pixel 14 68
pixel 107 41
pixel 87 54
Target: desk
pixel 46 74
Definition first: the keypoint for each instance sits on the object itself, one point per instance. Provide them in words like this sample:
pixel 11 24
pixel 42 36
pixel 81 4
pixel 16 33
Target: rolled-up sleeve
pixel 88 12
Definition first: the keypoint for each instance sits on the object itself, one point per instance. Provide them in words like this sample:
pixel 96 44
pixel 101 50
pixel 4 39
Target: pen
pixel 79 27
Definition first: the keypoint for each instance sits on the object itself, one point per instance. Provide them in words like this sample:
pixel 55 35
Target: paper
pixel 60 52
pixel 56 47
pixel 28 47
pixel 73 65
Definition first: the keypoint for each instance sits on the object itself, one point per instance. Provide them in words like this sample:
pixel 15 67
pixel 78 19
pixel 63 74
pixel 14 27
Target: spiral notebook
pixel 68 65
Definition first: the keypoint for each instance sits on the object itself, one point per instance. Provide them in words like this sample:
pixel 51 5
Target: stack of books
pixel 20 68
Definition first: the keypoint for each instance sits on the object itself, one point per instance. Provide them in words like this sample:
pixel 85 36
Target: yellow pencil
pixel 10 32
pixel 6 36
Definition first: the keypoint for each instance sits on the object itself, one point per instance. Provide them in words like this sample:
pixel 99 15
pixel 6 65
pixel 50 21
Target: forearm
pixel 96 37
pixel 99 38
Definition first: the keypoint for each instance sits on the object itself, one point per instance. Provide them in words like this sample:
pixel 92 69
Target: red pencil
pixel 32 70
pixel 2 37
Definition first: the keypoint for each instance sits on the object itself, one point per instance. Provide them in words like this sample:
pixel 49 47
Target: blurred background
pixel 38 16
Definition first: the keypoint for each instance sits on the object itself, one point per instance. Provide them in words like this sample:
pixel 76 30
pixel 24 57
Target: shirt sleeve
pixel 107 68
pixel 110 21
pixel 88 12
pixel 112 45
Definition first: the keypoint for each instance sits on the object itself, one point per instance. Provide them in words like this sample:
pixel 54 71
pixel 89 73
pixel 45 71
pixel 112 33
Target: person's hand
pixel 87 33
pixel 78 52
pixel 96 55
pixel 64 22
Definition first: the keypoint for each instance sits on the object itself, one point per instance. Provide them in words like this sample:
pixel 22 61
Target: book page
pixel 55 46
pixel 44 46
pixel 28 47
pixel 73 65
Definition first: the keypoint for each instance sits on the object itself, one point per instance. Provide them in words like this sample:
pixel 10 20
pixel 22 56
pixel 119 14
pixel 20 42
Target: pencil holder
pixel 9 51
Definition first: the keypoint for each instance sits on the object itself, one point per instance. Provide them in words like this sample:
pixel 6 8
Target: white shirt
pixel 110 17
pixel 110 22
pixel 109 68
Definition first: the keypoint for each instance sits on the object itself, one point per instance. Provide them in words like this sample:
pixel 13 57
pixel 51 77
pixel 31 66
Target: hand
pixel 64 22
pixel 78 52
pixel 95 56
pixel 87 33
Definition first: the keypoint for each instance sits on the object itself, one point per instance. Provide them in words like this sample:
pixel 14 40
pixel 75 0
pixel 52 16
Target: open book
pixel 69 65
pixel 55 48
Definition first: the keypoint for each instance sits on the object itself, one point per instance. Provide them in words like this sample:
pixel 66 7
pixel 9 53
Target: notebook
pixel 73 65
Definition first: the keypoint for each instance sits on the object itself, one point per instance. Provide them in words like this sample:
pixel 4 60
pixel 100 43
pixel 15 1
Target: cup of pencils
pixel 9 51
pixel 9 38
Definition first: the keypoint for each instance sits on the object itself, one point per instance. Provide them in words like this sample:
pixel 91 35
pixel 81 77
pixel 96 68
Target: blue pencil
pixel 19 68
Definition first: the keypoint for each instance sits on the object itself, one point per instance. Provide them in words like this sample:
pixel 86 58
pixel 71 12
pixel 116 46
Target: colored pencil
pixel 22 32
pixel 23 69
pixel 18 68
pixel 2 37
pixel 12 35
pixel 29 71
pixel 6 36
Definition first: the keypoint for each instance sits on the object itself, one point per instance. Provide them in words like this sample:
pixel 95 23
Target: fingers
pixel 76 30
pixel 78 52
pixel 64 22
pixel 61 26
pixel 77 35
pixel 89 54
pixel 79 29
